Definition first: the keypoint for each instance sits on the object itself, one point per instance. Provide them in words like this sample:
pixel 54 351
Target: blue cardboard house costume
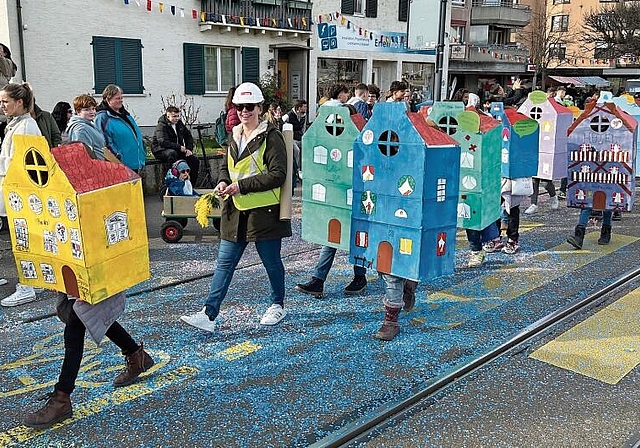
pixel 520 134
pixel 602 145
pixel 405 191
pixel 479 138
pixel 628 104
pixel 327 157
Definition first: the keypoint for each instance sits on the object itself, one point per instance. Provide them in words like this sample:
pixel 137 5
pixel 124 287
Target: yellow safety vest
pixel 247 167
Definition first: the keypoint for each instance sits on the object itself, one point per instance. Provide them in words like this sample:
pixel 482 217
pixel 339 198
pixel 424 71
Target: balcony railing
pixel 499 12
pixel 496 53
pixel 294 15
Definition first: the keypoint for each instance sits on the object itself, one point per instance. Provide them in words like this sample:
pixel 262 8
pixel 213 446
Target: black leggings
pixel 74 332
pixel 548 185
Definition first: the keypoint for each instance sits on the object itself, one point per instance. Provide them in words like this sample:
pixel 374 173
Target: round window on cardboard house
pixel 389 143
pixel 535 113
pixel 599 123
pixel 334 123
pixel 448 124
pixel 36 167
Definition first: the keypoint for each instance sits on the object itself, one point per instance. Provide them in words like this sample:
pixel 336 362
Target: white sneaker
pixel 3 281
pixel 24 294
pixel 531 210
pixel 475 259
pixel 274 314
pixel 199 320
pixel 554 203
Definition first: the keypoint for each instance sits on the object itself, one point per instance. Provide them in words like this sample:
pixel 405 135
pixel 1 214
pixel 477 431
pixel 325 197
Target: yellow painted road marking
pixel 468 298
pixel 239 350
pixel 463 243
pixel 605 347
pixel 22 433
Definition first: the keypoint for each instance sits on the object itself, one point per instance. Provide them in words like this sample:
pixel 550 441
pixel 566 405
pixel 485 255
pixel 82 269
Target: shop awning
pixel 568 80
pixel 594 81
pixel 581 81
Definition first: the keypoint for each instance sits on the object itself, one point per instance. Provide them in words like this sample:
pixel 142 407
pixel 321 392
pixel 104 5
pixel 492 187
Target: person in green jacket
pixel 47 126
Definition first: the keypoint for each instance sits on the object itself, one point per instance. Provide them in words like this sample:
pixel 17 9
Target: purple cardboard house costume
pixel 602 153
pixel 554 120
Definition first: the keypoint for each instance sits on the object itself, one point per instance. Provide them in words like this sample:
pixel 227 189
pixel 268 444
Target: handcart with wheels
pixel 177 210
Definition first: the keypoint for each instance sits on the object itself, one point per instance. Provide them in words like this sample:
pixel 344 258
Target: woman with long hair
pixel 16 102
pixel 62 112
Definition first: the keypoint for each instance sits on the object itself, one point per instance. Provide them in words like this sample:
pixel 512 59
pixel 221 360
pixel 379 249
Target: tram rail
pixel 359 431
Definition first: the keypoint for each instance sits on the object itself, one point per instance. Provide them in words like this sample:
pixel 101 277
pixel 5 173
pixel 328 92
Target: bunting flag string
pixel 291 22
pixel 360 31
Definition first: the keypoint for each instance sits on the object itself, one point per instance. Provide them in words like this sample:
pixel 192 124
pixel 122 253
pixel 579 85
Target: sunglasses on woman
pixel 184 171
pixel 249 107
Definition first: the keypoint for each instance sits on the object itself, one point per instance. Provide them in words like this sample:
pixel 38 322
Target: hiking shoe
pixel 511 247
pixel 56 409
pixel 199 320
pixel 476 259
pixel 357 285
pixel 533 208
pixel 554 203
pixel 561 194
pixel 136 363
pixel 274 314
pixel 493 246
pixel 24 294
pixel 315 287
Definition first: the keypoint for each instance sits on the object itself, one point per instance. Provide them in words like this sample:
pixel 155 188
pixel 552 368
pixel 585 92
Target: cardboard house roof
pixel 514 116
pixel 593 107
pixel 86 174
pixel 431 135
pixel 487 122
pixel 559 108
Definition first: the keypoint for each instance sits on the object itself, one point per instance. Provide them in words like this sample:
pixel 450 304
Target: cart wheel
pixel 183 221
pixel 171 231
pixel 216 223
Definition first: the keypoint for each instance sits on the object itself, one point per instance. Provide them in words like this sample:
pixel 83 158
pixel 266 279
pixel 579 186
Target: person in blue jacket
pixel 81 128
pixel 178 180
pixel 121 133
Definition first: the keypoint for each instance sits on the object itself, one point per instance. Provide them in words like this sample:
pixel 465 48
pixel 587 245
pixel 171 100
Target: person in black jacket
pixel 173 141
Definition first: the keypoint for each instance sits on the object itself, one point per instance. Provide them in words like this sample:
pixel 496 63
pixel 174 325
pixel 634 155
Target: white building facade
pixel 200 49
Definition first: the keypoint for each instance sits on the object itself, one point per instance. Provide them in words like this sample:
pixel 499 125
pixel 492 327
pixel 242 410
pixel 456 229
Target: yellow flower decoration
pixel 204 207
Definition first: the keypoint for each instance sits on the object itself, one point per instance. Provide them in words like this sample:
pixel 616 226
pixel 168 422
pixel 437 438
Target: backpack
pixel 220 129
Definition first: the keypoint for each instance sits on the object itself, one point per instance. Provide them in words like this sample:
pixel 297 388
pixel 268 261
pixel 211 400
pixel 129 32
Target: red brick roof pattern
pixel 86 174
pixel 487 122
pixel 430 134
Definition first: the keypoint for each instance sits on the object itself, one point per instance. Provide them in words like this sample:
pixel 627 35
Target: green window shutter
pixel 371 8
pixel 193 69
pixel 251 65
pixel 347 7
pixel 403 10
pixel 117 61
pixel 104 62
pixel 130 66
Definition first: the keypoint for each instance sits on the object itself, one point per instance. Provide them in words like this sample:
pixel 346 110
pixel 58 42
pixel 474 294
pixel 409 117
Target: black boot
pixel 409 294
pixel 315 287
pixel 605 235
pixel 576 239
pixel 357 285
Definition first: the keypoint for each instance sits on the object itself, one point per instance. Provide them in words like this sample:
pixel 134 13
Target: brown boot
pixel 390 327
pixel 137 362
pixel 409 294
pixel 56 409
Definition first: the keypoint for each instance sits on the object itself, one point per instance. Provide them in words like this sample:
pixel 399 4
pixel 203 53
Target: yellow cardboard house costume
pixel 77 224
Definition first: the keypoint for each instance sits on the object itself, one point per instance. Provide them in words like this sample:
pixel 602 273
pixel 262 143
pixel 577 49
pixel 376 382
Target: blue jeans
pixel 327 254
pixel 394 287
pixel 478 237
pixel 229 254
pixel 586 213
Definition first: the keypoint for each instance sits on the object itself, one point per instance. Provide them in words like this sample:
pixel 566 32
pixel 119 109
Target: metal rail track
pixel 175 283
pixel 359 430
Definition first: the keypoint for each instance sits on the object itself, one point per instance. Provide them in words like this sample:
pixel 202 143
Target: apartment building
pixel 484 48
